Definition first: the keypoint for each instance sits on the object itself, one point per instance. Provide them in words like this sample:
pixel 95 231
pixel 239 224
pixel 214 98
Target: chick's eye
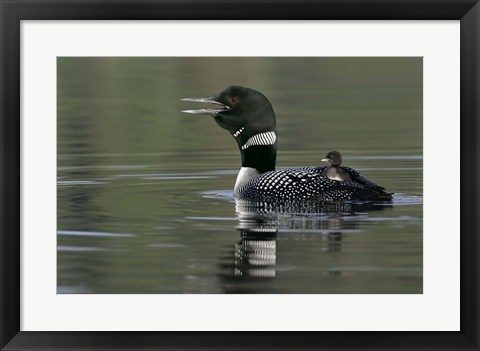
pixel 234 99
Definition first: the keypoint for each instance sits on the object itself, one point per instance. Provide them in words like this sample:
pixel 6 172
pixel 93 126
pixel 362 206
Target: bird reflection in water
pixel 256 255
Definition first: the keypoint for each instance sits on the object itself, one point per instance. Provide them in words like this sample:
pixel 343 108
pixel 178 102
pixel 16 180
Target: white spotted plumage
pixel 294 184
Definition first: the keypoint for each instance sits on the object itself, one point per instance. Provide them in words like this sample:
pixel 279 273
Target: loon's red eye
pixel 234 99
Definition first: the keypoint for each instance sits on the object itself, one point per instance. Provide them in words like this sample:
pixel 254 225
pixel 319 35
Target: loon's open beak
pixel 206 111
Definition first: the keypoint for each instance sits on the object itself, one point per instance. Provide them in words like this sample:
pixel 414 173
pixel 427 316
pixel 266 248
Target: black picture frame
pixel 14 11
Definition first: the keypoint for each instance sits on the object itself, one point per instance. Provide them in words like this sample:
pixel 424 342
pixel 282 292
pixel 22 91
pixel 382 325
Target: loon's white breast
pixel 245 177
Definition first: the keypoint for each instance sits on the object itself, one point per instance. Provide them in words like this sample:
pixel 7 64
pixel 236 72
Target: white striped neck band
pixel 267 138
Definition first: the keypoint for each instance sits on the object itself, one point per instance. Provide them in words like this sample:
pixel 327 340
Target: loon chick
pixel 249 117
pixel 334 170
pixel 337 171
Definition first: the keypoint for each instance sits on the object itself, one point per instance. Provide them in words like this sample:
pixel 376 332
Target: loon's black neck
pixel 258 148
pixel 260 157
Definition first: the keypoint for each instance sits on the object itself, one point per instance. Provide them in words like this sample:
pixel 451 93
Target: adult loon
pixel 249 117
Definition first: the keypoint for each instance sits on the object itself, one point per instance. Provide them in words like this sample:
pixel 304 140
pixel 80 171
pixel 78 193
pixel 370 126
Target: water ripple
pixel 93 234
pixel 219 194
pixel 177 177
pixel 167 245
pixel 213 218
pixel 81 249
pixel 399 199
pixel 78 182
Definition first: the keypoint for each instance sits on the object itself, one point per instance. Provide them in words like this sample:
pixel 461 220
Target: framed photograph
pixel 239 175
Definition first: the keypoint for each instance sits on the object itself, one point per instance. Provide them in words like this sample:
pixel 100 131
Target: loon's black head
pixel 333 158
pixel 238 108
pixel 248 116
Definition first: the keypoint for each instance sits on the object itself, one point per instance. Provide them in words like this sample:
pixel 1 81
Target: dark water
pixel 145 200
